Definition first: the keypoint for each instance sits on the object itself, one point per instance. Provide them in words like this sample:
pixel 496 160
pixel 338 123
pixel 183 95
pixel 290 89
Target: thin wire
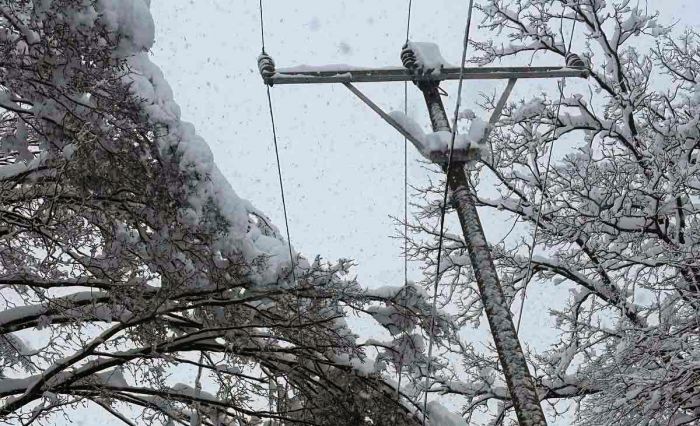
pixel 277 153
pixel 408 20
pixel 262 27
pixel 405 203
pixel 405 160
pixel 528 274
pixel 279 175
pixel 405 189
pixel 444 206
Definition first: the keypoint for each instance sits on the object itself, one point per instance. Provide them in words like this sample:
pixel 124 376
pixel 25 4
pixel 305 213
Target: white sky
pixel 342 165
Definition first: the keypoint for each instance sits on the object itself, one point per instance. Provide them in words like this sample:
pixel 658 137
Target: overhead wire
pixel 405 204
pixel 562 85
pixel 281 182
pixel 277 153
pixel 262 26
pixel 443 208
pixel 405 159
pixel 408 21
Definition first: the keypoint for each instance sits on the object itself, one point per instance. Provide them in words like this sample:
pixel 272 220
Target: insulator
pixel 266 65
pixel 574 61
pixel 408 57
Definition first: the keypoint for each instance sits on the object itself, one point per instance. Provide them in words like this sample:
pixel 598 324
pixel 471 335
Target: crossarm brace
pixel 496 114
pixel 462 155
pixel 389 119
pixel 438 157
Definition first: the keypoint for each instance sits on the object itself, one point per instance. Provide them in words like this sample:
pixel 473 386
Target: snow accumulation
pixel 362 367
pixel 477 131
pixel 17 142
pixel 10 315
pixel 114 377
pixel 206 184
pixel 132 19
pixel 408 294
pixel 391 318
pixel 427 143
pixel 533 108
pixel 407 350
pixel 188 390
pixel 324 68
pixel 12 343
pixel 428 56
pixel 10 170
pixel 441 416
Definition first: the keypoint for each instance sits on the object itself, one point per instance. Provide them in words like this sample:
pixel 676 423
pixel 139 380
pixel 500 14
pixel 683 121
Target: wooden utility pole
pixel 512 359
pixel 520 383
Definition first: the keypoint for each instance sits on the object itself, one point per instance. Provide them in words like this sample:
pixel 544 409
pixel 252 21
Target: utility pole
pixel 512 359
pixel 520 383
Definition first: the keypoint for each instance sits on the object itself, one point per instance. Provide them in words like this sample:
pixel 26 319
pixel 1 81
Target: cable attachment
pixel 574 61
pixel 408 57
pixel 266 66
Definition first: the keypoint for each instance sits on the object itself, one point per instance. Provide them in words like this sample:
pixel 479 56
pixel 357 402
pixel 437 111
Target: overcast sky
pixel 342 165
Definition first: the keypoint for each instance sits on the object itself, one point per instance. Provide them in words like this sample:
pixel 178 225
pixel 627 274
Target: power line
pixel 408 20
pixel 277 153
pixel 279 175
pixel 262 27
pixel 405 159
pixel 281 181
pixel 405 205
pixel 444 207
pixel 528 274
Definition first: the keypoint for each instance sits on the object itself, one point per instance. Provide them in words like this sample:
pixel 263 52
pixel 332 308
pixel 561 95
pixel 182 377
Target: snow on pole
pixel 520 383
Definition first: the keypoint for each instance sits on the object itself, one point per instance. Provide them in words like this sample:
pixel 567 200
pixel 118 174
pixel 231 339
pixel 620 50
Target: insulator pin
pixel 574 61
pixel 266 66
pixel 408 57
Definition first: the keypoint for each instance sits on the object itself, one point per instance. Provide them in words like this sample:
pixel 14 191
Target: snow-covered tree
pixel 134 279
pixel 618 224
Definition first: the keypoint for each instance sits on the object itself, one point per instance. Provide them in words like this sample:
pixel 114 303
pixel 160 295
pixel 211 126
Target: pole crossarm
pixel 348 74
